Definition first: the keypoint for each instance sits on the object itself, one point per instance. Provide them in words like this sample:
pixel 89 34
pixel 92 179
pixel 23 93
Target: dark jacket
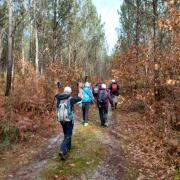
pixel 62 96
pixel 114 93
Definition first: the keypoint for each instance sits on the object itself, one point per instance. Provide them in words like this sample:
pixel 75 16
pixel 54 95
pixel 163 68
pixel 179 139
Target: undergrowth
pixel 9 133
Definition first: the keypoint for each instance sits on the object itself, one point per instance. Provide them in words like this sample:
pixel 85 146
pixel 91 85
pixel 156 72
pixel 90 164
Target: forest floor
pixel 127 149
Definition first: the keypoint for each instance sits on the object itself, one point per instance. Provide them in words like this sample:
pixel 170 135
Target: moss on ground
pixel 86 154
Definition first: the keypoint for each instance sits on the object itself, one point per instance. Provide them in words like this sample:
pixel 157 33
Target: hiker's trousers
pixel 85 110
pixel 67 130
pixel 103 113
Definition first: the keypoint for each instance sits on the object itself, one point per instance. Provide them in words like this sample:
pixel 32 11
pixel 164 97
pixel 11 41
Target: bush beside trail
pixel 29 107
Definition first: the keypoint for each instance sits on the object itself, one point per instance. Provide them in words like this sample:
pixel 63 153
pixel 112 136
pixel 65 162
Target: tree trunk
pixel 36 43
pixel 54 30
pixel 37 51
pixel 23 54
pixel 74 56
pixel 137 28
pixel 10 57
pixel 69 56
pixel 156 64
pixel 1 46
pixel 30 42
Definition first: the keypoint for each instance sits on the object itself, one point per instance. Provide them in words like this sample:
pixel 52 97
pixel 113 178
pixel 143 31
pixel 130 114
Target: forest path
pixel 112 165
pixel 31 170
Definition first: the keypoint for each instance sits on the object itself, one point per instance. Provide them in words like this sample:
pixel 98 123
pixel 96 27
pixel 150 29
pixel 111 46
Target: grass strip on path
pixel 86 154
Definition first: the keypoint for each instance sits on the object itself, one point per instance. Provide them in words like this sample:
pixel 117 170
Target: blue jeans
pixel 67 130
pixel 103 113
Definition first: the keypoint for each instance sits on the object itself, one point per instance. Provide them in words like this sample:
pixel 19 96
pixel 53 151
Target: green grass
pixel 86 154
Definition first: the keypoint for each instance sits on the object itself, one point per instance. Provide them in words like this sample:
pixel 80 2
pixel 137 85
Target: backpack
pixel 87 94
pixel 64 113
pixel 103 97
pixel 114 87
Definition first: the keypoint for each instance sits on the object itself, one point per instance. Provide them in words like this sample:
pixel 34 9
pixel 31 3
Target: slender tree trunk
pixel 137 28
pixel 1 45
pixel 36 43
pixel 1 49
pixel 61 58
pixel 23 54
pixel 37 51
pixel 74 56
pixel 30 42
pixel 10 57
pixel 156 64
pixel 69 55
pixel 54 30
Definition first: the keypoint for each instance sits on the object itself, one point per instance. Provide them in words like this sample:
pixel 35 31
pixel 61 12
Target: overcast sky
pixel 108 11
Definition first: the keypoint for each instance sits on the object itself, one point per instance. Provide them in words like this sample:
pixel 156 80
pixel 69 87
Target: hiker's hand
pixel 80 85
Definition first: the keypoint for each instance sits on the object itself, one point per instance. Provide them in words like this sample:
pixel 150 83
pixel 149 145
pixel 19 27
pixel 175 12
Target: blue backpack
pixel 87 95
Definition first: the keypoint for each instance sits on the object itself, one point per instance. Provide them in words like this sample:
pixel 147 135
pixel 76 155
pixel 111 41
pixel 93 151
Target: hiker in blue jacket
pixel 87 98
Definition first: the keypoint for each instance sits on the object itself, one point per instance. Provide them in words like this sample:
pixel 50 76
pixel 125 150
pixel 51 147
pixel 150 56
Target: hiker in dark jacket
pixel 87 98
pixel 67 125
pixel 114 91
pixel 103 100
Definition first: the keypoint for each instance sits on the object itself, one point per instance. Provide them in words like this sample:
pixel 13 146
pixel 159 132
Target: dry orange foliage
pixel 136 76
pixel 29 108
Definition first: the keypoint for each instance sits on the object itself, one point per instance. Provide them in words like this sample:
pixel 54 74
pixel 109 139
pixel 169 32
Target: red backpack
pixel 114 87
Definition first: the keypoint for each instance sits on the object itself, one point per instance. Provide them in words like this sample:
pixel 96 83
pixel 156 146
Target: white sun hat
pixel 67 90
pixel 103 86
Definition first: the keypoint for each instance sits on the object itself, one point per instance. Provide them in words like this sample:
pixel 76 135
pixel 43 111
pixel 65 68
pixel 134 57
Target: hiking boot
pixel 62 155
pixel 85 124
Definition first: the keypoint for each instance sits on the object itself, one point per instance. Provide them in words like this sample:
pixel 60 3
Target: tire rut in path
pixel 31 170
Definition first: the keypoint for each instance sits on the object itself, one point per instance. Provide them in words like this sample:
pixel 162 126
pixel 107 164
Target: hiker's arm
pixel 110 99
pixel 80 94
pixel 74 100
pixel 92 97
pixel 118 89
pixel 57 99
pixel 109 87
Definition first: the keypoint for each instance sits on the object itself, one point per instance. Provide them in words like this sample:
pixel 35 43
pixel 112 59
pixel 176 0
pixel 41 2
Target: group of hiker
pixel 99 94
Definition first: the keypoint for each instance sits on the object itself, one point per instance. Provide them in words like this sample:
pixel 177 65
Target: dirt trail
pixel 112 168
pixel 31 170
